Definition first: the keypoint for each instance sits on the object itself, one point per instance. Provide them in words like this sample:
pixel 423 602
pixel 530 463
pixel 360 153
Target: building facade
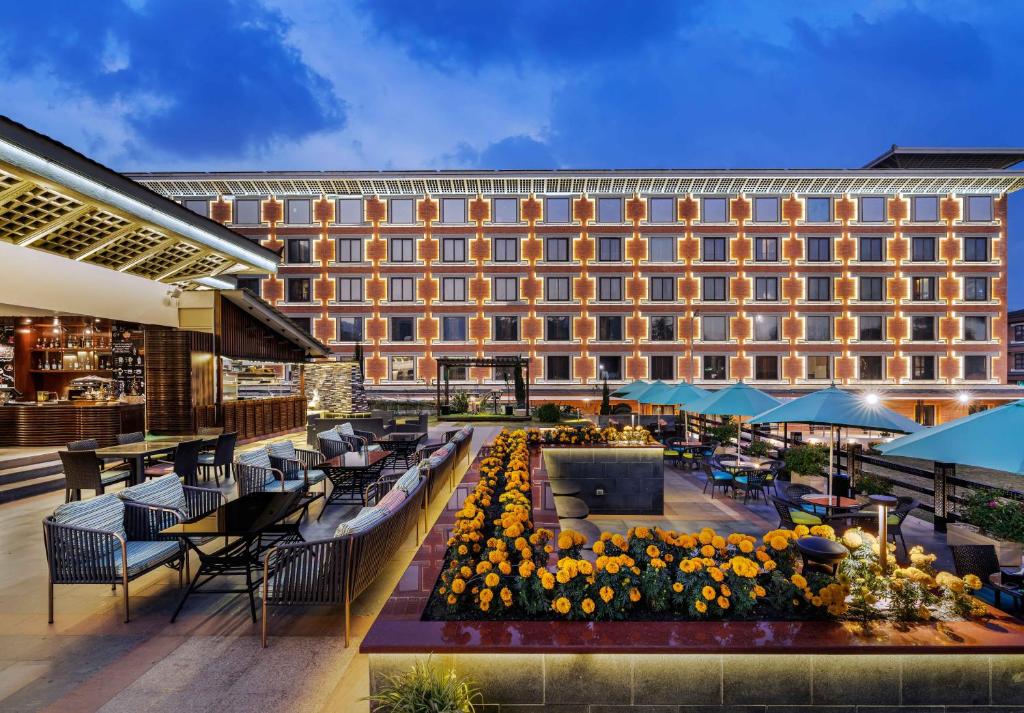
pixel 886 277
pixel 1015 347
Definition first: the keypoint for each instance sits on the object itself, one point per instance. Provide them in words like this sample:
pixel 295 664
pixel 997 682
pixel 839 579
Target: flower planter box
pixel 1009 553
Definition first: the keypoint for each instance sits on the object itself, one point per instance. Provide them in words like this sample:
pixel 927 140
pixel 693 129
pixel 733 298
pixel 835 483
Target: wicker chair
pixel 185 463
pixel 84 471
pixel 219 460
pixel 982 562
pixel 161 502
pixel 752 481
pixel 298 463
pixel 133 437
pixel 791 515
pixel 715 477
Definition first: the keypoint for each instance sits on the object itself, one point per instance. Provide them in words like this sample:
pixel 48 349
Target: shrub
pixel 759 449
pixel 459 402
pixel 871 484
pixel 549 413
pixel 808 460
pixel 996 515
pixel 424 689
pixel 725 431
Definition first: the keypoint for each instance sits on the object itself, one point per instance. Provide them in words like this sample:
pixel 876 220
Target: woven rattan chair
pixel 133 437
pixel 982 562
pixel 791 514
pixel 185 463
pixel 84 471
pixel 219 460
pixel 715 477
pixel 752 481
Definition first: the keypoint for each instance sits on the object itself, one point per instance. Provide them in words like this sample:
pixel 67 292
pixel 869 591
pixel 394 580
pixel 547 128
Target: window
pixel 925 209
pixel 661 249
pixel 558 328
pixel 506 249
pixel 871 249
pixel 714 328
pixel 348 211
pixel 350 249
pixel 401 289
pixel 556 249
pixel 663 289
pixel 453 250
pixel 819 328
pixel 557 368
pixel 556 210
pixel 197 205
pixel 979 209
pixel 872 209
pixel 766 210
pixel 303 323
pixel 453 210
pixel 922 328
pixel 663 328
pixel 298 252
pixel 609 328
pixel 249 283
pixel 661 366
pixel 299 211
pixel 453 289
pixel 556 289
pixel 504 210
pixel 247 211
pixel 1018 361
pixel 609 250
pixel 975 328
pixel 976 289
pixel 609 289
pixel 871 289
pixel 401 250
pixel 819 210
pixel 661 210
pixel 872 328
pixel 455 373
pixel 766 250
pixel 923 249
pixel 609 210
pixel 299 289
pixel 609 367
pixel 766 328
pixel 713 367
pixel 1018 332
pixel 975 367
pixel 506 328
pixel 403 329
pixel 922 367
pixel 923 289
pixel 766 289
pixel 350 289
pixel 819 366
pixel 714 210
pixel 766 367
pixel 350 329
pixel 872 367
pixel 400 211
pixel 506 289
pixel 713 289
pixel 819 289
pixel 453 328
pixel 713 250
pixel 819 249
pixel 403 368
pixel 976 249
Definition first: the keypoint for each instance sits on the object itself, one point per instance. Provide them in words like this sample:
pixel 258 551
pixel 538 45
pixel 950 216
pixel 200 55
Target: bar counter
pixel 256 418
pixel 59 423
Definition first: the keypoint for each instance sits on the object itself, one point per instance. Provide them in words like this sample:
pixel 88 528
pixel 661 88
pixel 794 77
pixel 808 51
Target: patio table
pixel 401 445
pixel 349 473
pixel 137 453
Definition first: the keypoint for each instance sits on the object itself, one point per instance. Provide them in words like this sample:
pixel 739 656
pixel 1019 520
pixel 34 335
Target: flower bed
pixel 589 434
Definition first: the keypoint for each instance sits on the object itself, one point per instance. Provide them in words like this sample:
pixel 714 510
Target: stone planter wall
pixel 1009 553
pixel 614 480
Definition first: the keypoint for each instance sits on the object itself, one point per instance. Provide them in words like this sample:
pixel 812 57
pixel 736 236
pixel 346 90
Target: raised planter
pixel 1009 553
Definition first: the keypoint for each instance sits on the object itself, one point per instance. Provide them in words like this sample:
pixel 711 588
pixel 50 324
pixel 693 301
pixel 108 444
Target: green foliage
pixel 549 413
pixel 459 402
pixel 871 484
pixel 426 690
pixel 759 449
pixel 725 431
pixel 520 387
pixel 995 515
pixel 606 402
pixel 811 459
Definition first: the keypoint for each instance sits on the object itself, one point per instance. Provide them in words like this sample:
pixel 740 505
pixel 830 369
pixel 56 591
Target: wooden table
pixel 349 473
pixel 137 453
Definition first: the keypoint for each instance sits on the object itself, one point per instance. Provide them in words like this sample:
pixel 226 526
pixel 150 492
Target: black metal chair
pixel 185 463
pixel 791 515
pixel 752 481
pixel 982 562
pixel 133 437
pixel 91 444
pixel 84 471
pixel 219 460
pixel 894 523
pixel 716 477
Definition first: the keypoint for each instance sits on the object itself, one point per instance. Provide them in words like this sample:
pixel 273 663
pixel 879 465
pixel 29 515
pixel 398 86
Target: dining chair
pixel 716 477
pixel 753 481
pixel 83 471
pixel 185 463
pixel 219 460
pixel 982 562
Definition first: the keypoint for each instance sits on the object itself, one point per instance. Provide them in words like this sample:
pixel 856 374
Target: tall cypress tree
pixel 606 399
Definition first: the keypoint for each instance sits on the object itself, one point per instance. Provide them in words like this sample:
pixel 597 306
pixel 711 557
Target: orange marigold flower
pixel 607 594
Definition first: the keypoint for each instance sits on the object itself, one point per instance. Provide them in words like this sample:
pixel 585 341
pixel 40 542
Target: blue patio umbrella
pixel 630 390
pixel 678 395
pixel 738 400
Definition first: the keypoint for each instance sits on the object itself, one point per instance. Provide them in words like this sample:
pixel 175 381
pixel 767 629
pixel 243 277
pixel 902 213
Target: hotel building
pixel 891 277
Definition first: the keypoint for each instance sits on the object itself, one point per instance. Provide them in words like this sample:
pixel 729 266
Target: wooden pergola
pixel 496 362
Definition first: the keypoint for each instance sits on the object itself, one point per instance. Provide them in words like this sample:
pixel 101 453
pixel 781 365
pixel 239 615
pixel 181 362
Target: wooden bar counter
pixel 59 423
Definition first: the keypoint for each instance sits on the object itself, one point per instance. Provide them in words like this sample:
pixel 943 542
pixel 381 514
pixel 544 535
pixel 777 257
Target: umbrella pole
pixel 831 445
pixel 739 436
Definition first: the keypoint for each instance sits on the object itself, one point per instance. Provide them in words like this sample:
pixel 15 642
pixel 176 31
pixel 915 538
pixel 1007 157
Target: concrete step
pixel 25 476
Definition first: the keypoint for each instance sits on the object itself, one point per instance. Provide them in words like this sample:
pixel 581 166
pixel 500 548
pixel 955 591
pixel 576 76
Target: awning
pixel 275 321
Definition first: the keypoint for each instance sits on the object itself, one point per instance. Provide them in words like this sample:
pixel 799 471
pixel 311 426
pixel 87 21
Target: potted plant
pixel 991 519
pixel 808 460
pixel 423 688
pixel 870 484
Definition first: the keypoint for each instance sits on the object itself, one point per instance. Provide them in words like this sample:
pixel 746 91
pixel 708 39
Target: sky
pixel 146 85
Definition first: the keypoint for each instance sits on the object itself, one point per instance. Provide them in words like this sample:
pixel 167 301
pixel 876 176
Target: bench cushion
pixel 165 491
pixel 393 500
pixel 144 555
pixel 104 512
pixel 283 449
pixel 440 455
pixel 408 480
pixel 364 521
pixel 330 435
pixel 800 517
pixel 345 429
pixel 258 458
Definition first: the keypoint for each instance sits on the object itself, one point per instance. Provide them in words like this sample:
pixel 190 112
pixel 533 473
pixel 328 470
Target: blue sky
pixel 381 84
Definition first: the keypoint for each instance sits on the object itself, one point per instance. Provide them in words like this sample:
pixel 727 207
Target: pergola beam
pixel 56 224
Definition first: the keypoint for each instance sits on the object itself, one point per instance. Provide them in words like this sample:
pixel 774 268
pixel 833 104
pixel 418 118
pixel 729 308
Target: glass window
pixel 401 250
pixel 198 205
pixel 453 328
pixel 819 328
pixel 819 366
pixel 403 368
pixel 506 328
pixel 506 249
pixel 871 289
pixel 400 211
pixel 556 289
pixel 975 328
pixel 350 289
pixel 872 367
pixel 504 210
pixel 453 289
pixel 663 289
pixel 923 249
pixel 454 373
pixel 303 323
pixel 298 251
pixel 714 367
pixel 609 289
pixel 556 210
pixel 350 249
pixel 922 328
pixel 403 329
pixel 350 329
pixel 923 289
pixel 872 209
pixel 401 289
pixel 766 328
pixel 713 250
pixel 922 366
pixel 766 249
pixel 714 328
pixel 766 289
pixel 819 249
pixel 249 283
pixel 819 289
pixel 871 249
pixel 247 211
pixel 299 211
pixel 661 249
pixel 557 368
pixel 453 250
pixel 766 210
pixel 1018 361
pixel 976 249
pixel 766 367
pixel 925 209
pixel 872 328
pixel 610 367
pixel 348 211
pixel 299 289
pixel 661 366
pixel 979 209
pixel 975 367
pixel 609 249
pixel 1018 332
pixel 663 328
pixel 609 328
pixel 557 328
pixel 976 289
pixel 713 289
pixel 609 210
pixel 556 249
pixel 661 210
pixel 506 289
pixel 453 210
pixel 819 210
pixel 714 210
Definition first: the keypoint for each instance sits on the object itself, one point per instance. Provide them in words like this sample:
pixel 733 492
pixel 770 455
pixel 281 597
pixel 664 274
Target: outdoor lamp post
pixel 884 502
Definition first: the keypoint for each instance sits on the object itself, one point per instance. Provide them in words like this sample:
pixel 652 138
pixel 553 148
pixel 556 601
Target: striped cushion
pixel 440 455
pixel 165 491
pixel 459 437
pixel 104 512
pixel 393 500
pixel 258 458
pixel 315 476
pixel 409 479
pixel 330 435
pixel 365 520
pixel 283 449
pixel 468 430
pixel 143 556
pixel 345 429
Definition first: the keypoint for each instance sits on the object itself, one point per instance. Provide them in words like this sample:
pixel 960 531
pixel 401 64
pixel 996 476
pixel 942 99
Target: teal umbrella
pixel 738 400
pixel 987 439
pixel 630 390
pixel 678 395
pixel 641 392
pixel 834 407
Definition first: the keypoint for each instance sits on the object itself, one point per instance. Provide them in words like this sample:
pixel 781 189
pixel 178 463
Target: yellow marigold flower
pixel 707 551
pixel 634 594
pixel 759 590
pixel 563 576
pixel 612 567
pixel 607 594
pixel 653 551
pixel 816 600
pixel 642 532
pixel 718 542
pixel 458 586
pixel 585 568
pixel 801 530
pixel 452 599
pixel 708 592
pixel 506 595
pixel 677 587
pixel 746 546
pixel 799 581
pixel 482 567
pixel 768 565
pixel 657 563
pixel 547 580
pixel 686 566
pixel 486 595
pixel 587 605
pixel 561 605
pixel 972 581
pixel 706 535
pixel 619 541
pixel 723 603
pixel 687 541
pixel 598 547
pixel 716 574
pixel 505 568
pixel 852 539
pixel 526 568
pixel 778 542
pixel 724 589
pixel 466 572
pixel 700 606
pixel 491 580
